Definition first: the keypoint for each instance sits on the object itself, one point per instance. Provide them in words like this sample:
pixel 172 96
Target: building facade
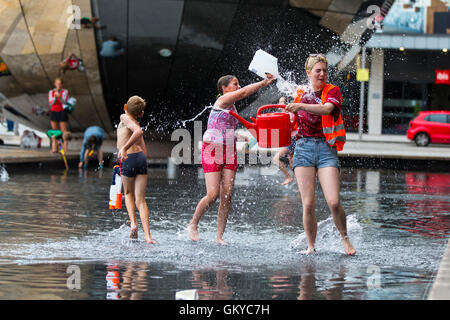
pixel 409 64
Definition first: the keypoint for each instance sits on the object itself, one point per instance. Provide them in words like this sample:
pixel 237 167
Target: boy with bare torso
pixel 133 157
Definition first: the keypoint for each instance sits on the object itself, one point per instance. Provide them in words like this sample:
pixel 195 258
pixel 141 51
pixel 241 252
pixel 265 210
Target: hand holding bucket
pixel 264 63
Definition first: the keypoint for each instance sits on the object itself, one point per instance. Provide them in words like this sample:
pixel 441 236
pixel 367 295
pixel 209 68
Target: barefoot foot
pixel 134 232
pixel 349 249
pixel 193 232
pixel 150 240
pixel 311 250
pixel 287 181
pixel 221 242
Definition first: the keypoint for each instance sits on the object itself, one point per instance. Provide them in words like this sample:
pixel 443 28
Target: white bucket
pixel 263 63
pixel 187 295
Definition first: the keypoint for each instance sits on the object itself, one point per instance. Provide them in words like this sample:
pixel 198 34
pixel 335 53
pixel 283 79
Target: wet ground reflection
pixel 398 221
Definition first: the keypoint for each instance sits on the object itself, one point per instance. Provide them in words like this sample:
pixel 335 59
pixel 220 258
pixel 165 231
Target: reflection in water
pixel 211 289
pixel 399 222
pixel 4 176
pixel 285 210
pixel 308 285
pixel 112 282
pixel 40 281
pixel 134 281
pixel 430 214
pixel 127 281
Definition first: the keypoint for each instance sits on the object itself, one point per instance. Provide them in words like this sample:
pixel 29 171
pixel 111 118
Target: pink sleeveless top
pixel 221 126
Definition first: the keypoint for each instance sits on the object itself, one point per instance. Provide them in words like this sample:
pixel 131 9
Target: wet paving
pixel 59 240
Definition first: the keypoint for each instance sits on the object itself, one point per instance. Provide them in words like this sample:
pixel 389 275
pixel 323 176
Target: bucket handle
pixel 270 106
pixel 274 106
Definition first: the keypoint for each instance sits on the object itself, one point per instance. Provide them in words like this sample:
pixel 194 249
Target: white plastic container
pixel 263 63
pixel 187 295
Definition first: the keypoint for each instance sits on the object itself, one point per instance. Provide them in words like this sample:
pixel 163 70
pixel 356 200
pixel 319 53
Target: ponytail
pixel 223 81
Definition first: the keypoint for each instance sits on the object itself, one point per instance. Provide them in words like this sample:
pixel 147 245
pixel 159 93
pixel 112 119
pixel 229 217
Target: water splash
pixel 328 236
pixel 3 174
pixel 183 122
pixel 287 86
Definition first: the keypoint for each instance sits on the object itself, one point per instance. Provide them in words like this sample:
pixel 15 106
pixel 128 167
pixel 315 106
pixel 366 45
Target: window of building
pixel 403 100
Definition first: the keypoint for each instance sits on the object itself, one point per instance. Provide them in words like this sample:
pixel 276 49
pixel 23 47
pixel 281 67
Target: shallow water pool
pixel 59 240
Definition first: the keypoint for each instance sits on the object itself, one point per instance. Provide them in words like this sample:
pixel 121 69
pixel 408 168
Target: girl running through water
pixel 219 157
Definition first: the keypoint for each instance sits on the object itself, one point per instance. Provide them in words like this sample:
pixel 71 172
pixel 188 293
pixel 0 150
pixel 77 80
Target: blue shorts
pixel 315 152
pixel 135 164
pixel 291 148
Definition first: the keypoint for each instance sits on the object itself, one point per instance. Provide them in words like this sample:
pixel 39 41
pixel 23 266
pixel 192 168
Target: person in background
pixel 286 152
pixel 92 142
pixel 57 97
pixel 72 62
pixel 90 22
pixel 59 139
pixel 111 48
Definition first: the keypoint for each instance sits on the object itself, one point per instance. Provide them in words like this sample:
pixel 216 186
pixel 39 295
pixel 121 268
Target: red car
pixel 430 127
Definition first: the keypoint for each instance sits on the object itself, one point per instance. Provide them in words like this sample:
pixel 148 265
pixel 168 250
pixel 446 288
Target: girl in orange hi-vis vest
pixel 320 135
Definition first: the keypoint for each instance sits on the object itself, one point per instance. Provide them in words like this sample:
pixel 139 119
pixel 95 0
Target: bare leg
pixel 54 125
pixel 65 145
pixel 86 158
pixel 128 189
pixel 54 145
pixel 140 186
pixel 329 181
pixel 100 156
pixel 282 166
pixel 306 181
pixel 226 192
pixel 212 180
pixel 63 126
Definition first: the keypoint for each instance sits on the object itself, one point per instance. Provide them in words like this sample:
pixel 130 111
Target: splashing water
pixel 328 237
pixel 3 174
pixel 266 243
pixel 183 122
pixel 287 86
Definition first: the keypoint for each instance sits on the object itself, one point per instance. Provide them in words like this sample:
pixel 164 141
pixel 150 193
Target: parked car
pixel 430 127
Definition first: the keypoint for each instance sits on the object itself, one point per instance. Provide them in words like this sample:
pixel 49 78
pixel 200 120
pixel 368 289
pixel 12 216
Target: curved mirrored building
pixel 170 52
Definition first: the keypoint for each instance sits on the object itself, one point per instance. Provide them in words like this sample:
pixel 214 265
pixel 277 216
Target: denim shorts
pixel 291 148
pixel 315 152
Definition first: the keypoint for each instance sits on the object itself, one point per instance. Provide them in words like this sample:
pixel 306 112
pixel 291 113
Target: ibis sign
pixel 442 77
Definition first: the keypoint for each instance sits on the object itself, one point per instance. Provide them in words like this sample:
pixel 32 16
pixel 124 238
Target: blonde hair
pixel 67 136
pixel 135 106
pixel 313 59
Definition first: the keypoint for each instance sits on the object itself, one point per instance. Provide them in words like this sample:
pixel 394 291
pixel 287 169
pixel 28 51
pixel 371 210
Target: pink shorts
pixel 224 158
